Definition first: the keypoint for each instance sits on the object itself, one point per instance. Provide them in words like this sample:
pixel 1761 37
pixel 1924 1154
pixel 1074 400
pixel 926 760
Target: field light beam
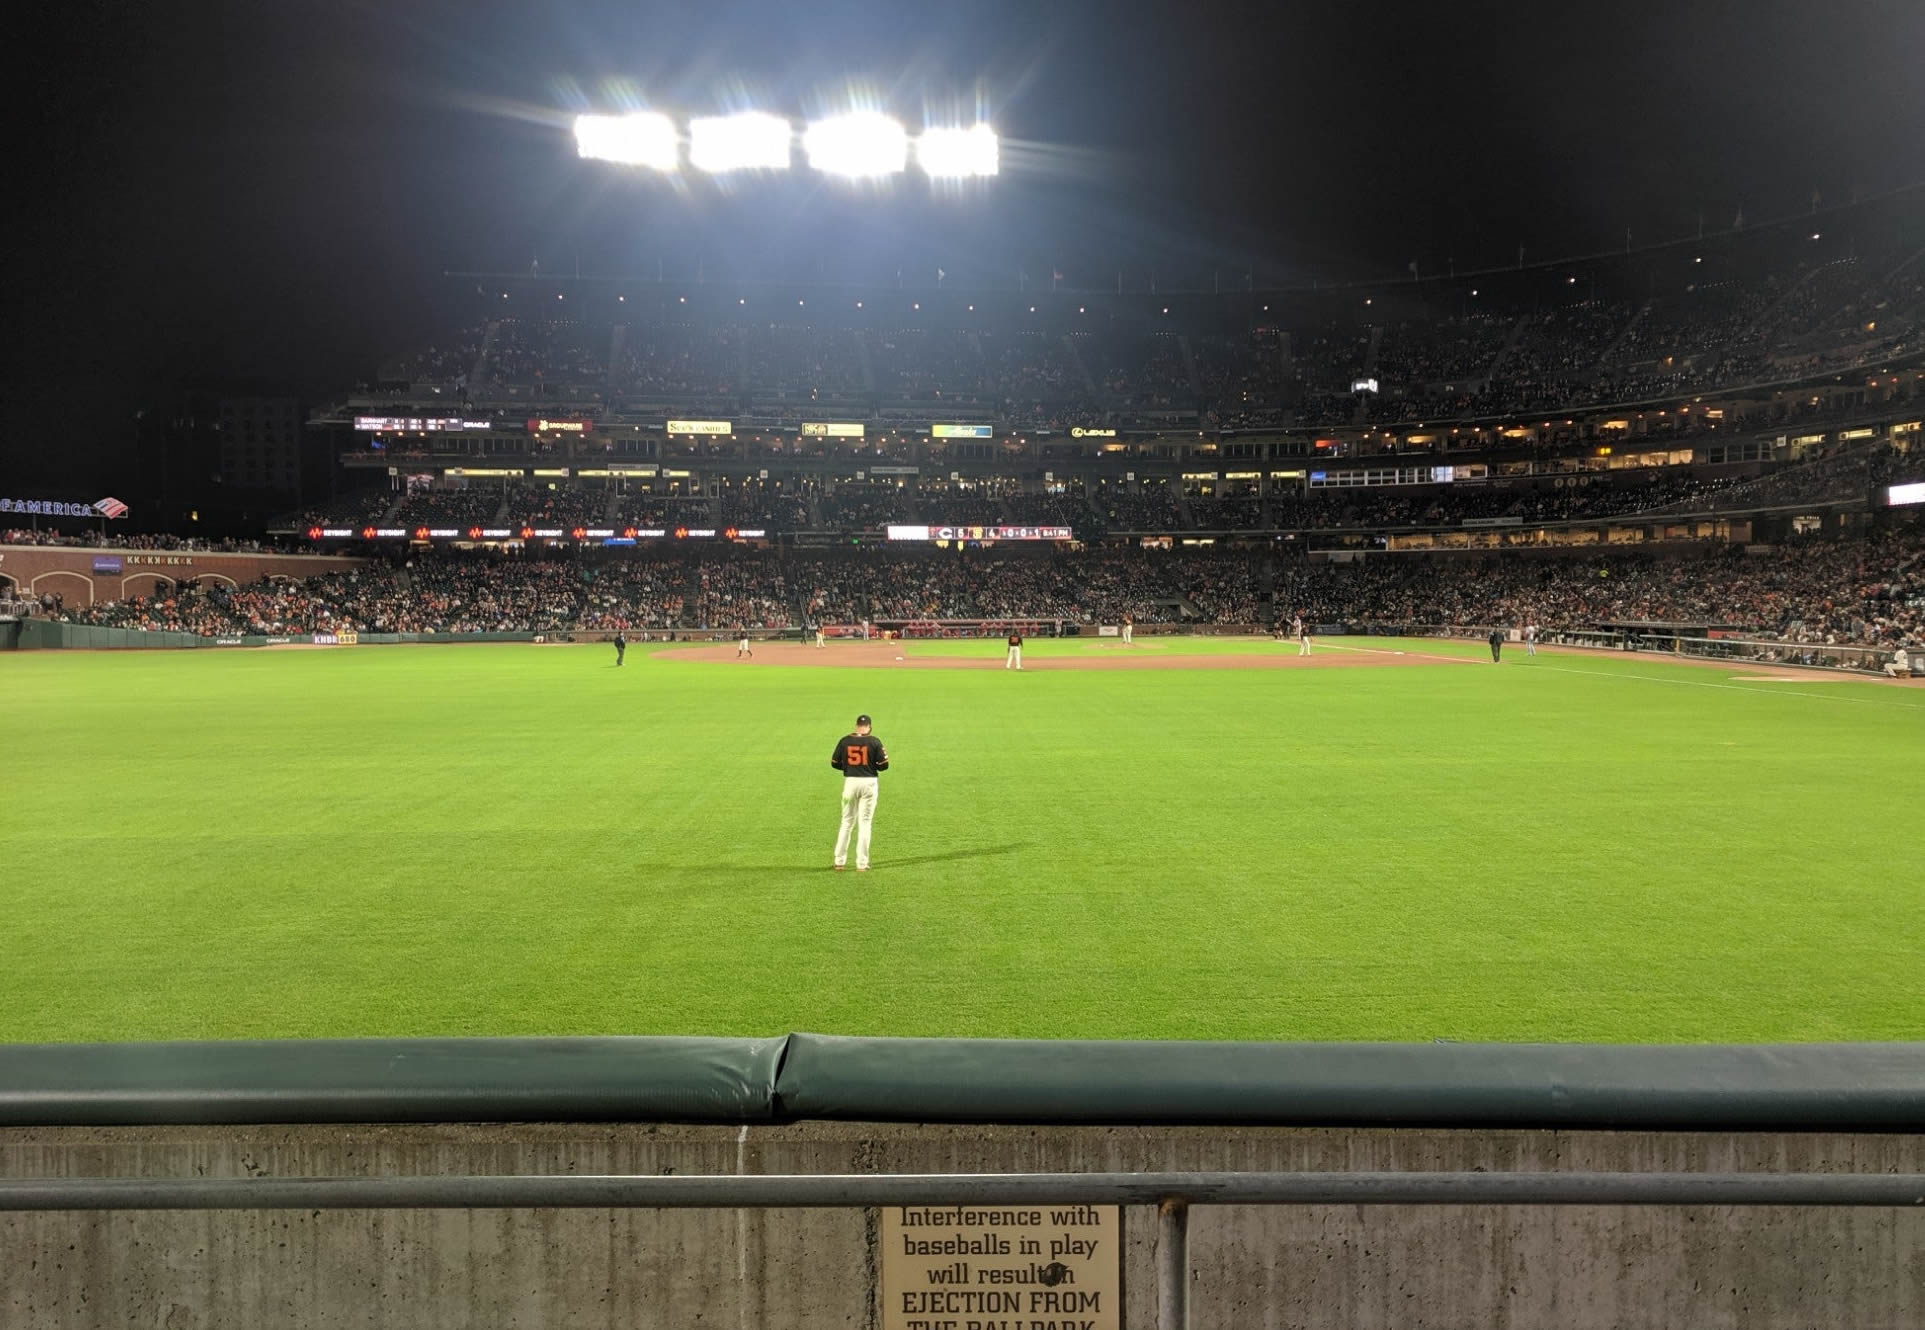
pixel 751 141
pixel 645 138
pixel 956 153
pixel 857 145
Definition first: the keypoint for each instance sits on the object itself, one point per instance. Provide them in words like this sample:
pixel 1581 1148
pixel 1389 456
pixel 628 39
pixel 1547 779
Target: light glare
pixel 751 141
pixel 955 153
pixel 646 138
pixel 861 143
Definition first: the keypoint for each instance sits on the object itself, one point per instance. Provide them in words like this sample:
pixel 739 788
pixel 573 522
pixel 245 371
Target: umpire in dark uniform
pixel 1497 644
pixel 621 648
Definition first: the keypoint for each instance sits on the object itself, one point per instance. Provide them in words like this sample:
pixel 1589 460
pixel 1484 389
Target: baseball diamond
pixel 1187 837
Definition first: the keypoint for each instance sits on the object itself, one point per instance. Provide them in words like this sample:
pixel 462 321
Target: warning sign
pixel 1020 1268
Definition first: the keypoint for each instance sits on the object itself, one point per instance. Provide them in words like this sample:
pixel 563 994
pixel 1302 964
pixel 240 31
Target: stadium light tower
pixel 645 138
pixel 957 153
pixel 750 141
pixel 857 145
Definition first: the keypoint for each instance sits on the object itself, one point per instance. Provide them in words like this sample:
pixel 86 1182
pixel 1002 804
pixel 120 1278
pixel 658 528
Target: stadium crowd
pixel 116 541
pixel 1869 591
pixel 1620 332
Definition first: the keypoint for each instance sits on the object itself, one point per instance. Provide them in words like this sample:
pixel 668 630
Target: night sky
pixel 271 191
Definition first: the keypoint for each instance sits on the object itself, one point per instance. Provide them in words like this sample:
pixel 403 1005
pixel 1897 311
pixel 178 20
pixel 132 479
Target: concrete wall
pixel 1331 1268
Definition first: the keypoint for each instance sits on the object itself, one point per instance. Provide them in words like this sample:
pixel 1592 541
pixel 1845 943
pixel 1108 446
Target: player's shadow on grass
pixel 945 857
pixel 950 856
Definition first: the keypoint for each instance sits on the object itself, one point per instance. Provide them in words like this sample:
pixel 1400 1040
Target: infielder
pixel 1530 639
pixel 1129 623
pixel 860 757
pixel 818 637
pixel 1013 658
pixel 742 648
pixel 1303 635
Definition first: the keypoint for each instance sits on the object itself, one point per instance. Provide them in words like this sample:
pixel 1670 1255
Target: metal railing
pixel 1173 1194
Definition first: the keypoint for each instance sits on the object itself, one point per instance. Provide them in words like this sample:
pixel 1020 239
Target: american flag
pixel 110 508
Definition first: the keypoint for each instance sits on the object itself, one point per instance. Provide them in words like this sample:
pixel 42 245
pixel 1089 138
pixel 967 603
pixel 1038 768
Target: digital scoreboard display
pixel 416 424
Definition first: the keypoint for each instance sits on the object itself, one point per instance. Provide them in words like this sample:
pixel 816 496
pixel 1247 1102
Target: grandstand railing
pixel 1173 1195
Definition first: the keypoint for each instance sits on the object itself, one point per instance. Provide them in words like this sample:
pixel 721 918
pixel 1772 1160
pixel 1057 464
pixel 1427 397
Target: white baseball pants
pixel 1014 660
pixel 858 813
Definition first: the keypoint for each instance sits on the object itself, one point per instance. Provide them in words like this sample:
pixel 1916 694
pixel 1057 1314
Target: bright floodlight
pixel 751 141
pixel 645 138
pixel 958 152
pixel 861 143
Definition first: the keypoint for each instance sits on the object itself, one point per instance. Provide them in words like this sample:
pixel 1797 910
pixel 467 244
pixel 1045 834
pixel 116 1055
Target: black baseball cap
pixel 862 720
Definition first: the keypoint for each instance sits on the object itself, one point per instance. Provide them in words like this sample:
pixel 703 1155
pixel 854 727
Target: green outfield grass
pixel 516 840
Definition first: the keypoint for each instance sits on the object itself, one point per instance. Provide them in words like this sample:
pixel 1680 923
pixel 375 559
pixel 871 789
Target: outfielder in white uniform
pixel 1530 639
pixel 861 758
pixel 1013 658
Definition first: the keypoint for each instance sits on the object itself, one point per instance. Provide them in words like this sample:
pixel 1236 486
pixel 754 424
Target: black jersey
pixel 859 755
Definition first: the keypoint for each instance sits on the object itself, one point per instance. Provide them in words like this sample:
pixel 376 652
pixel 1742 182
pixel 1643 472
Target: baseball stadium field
pixel 1178 839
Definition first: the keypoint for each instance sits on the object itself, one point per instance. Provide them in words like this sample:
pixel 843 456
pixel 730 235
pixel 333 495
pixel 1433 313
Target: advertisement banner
pixel 962 431
pixel 106 564
pixel 62 508
pixel 700 427
pixel 832 430
pixel 978 532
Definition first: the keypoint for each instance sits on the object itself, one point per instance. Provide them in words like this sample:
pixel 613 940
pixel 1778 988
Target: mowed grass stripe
pixel 495 840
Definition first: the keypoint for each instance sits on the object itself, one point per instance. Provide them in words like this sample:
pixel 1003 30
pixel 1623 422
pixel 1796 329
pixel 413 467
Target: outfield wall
pixel 83 574
pixel 727 1106
pixel 1328 1267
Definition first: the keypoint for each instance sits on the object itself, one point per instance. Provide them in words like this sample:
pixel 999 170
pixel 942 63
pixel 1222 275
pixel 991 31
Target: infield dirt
pixel 887 655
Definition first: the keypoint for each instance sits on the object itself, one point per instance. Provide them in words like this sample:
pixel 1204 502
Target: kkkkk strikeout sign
pixel 967 1268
